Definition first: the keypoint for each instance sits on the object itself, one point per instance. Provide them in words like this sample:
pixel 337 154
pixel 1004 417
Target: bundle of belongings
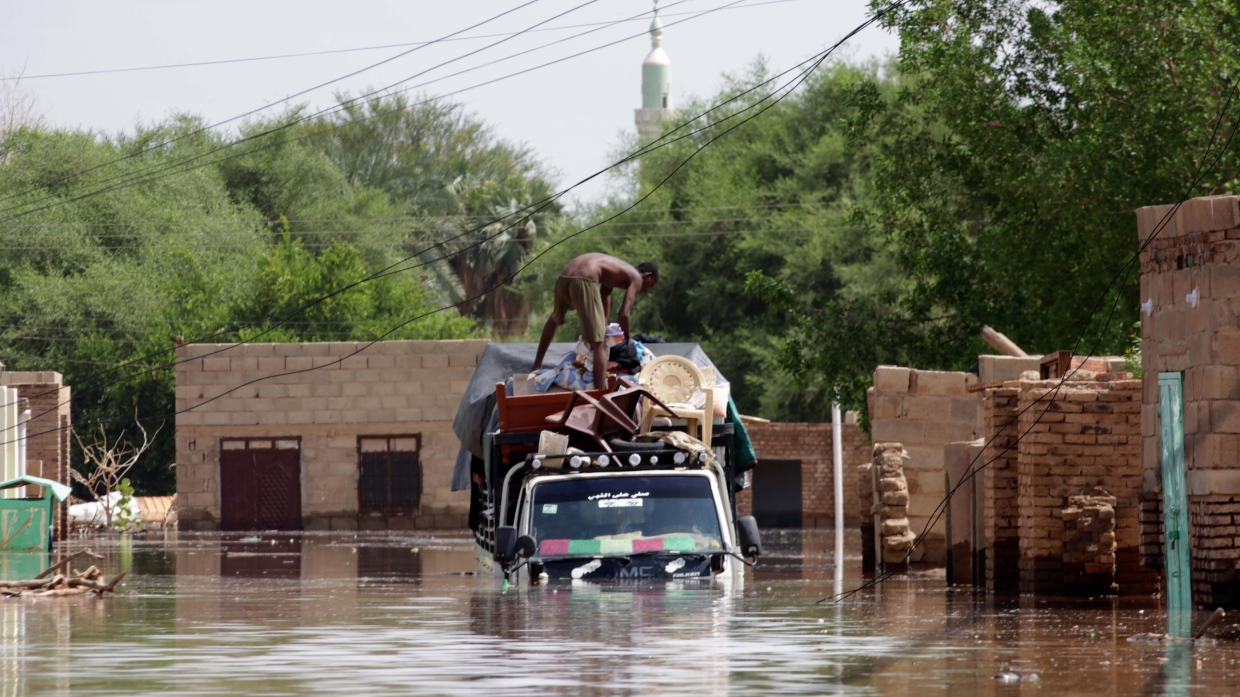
pixel 575 369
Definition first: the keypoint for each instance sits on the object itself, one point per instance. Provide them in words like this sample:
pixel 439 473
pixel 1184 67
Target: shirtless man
pixel 585 286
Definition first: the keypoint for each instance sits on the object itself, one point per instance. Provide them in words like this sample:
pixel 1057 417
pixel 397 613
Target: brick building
pixel 1078 442
pixel 794 482
pixel 48 431
pixel 293 436
pixel 1190 332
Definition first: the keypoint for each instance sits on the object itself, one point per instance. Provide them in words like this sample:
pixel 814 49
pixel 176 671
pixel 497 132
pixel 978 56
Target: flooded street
pixel 344 614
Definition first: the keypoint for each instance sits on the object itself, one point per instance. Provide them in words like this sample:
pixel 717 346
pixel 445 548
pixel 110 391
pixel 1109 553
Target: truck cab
pixel 623 521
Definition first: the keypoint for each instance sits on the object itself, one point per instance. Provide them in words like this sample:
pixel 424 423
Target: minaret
pixel 656 85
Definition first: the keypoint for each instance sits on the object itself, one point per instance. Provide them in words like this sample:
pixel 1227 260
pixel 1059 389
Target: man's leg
pixel 600 365
pixel 544 341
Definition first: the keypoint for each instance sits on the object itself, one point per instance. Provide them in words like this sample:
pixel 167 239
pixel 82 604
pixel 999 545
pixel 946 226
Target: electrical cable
pixel 400 245
pixel 786 90
pixel 435 216
pixel 197 131
pixel 1120 276
pixel 657 143
pixel 230 61
pixel 138 177
pixel 265 235
pixel 338 107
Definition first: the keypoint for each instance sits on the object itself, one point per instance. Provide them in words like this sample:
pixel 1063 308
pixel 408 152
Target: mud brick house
pixel 48 431
pixel 1190 332
pixel 290 436
pixel 793 485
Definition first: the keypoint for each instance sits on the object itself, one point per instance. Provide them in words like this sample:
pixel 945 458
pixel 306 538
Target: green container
pixel 26 524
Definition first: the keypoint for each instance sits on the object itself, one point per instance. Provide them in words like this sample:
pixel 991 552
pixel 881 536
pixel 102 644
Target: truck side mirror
pixel 526 547
pixel 748 537
pixel 505 544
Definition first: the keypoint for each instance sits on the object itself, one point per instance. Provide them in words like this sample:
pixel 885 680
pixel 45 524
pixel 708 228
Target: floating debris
pixel 50 582
pixel 1009 677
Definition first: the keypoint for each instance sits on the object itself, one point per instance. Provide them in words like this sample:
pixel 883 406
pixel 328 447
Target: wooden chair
pixel 674 380
pixel 606 415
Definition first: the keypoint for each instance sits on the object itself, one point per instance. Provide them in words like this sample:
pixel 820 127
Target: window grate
pixel 388 479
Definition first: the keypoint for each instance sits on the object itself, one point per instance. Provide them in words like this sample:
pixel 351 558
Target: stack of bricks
pixel 925 410
pixel 48 431
pixel 388 388
pixel 1152 531
pixel 810 443
pixel 892 506
pixel 1082 435
pixel 1089 543
pixel 1215 524
pixel 1002 544
pixel 1190 324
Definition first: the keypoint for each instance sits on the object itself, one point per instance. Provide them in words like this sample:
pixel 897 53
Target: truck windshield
pixel 619 516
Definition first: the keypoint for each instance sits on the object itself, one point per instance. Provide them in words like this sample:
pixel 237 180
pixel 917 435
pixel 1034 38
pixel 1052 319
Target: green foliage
pixel 1023 136
pixel 1132 354
pixel 121 520
pixel 262 230
pixel 476 198
pixel 774 196
pixel 1034 132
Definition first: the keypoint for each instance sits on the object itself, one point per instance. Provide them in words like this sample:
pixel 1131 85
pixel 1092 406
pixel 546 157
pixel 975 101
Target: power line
pixel 166 143
pixel 786 89
pixel 643 235
pixel 474 37
pixel 164 170
pixel 267 235
pixel 429 216
pixel 321 112
pixel 660 142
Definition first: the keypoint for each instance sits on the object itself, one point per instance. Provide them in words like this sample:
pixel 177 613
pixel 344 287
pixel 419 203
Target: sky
pixel 572 113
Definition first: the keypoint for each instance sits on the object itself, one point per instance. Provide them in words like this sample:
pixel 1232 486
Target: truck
pixel 659 507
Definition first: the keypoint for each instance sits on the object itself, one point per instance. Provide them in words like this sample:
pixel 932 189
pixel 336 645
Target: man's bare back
pixel 604 268
pixel 609 273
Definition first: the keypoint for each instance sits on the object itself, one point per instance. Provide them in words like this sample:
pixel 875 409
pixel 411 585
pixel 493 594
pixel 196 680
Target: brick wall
pixel 811 444
pixel 924 410
pixel 1087 437
pixel 1196 256
pixel 390 388
pixel 47 433
pixel 1002 520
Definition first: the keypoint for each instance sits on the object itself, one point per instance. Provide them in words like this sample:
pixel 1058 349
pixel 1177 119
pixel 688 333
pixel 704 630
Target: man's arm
pixel 630 297
pixel 544 341
pixel 606 292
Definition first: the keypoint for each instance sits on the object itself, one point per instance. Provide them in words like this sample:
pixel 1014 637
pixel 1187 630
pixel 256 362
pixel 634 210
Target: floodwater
pixel 374 614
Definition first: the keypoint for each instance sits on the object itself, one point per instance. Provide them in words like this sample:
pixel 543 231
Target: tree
pixel 477 201
pixel 99 288
pixel 773 195
pixel 107 466
pixel 1023 138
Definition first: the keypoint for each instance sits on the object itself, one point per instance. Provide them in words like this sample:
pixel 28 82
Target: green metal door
pixel 1175 501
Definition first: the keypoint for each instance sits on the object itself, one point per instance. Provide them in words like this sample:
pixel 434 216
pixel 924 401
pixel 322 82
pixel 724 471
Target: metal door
pixel 260 484
pixel 1175 496
pixel 238 499
pixel 777 494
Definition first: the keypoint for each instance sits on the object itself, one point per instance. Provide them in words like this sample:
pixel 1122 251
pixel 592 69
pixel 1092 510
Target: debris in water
pixel 50 582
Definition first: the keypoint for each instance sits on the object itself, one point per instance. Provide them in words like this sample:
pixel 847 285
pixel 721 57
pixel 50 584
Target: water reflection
pixel 333 614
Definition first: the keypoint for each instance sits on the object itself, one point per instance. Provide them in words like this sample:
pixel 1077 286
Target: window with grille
pixel 389 477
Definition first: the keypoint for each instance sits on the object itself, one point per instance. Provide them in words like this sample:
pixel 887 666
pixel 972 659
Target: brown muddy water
pixel 374 614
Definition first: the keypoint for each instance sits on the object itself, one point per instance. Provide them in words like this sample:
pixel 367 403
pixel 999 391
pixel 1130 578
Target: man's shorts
pixel 586 298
